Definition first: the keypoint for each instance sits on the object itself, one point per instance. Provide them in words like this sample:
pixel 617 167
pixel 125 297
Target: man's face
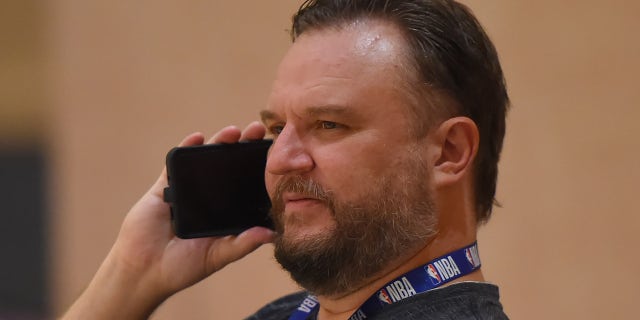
pixel 349 188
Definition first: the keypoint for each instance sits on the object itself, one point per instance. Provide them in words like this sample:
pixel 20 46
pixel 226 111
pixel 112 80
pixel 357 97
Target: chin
pixel 304 224
pixel 303 232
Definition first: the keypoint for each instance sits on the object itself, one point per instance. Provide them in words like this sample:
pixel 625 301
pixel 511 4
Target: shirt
pixel 464 300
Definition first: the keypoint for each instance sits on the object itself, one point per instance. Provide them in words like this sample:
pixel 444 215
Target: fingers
pixel 254 131
pixel 193 139
pixel 231 134
pixel 230 249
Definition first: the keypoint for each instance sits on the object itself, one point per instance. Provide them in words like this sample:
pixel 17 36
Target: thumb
pixel 231 248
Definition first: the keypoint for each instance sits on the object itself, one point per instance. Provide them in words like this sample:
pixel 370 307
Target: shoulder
pixel 279 309
pixel 465 300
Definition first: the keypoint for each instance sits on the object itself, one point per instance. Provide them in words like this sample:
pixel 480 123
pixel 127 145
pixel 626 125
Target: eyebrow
pixel 266 115
pixel 328 110
pixel 314 111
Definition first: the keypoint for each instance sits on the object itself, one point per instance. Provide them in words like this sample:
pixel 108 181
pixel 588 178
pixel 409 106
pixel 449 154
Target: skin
pixel 148 263
pixel 324 124
pixel 340 115
pixel 338 110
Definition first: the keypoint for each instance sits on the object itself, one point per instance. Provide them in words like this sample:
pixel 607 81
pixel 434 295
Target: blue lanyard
pixel 429 276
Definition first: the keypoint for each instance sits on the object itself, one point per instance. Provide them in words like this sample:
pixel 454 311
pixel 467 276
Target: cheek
pixel 350 174
pixel 270 181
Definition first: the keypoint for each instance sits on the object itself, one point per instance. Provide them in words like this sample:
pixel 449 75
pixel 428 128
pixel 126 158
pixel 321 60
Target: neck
pixel 343 306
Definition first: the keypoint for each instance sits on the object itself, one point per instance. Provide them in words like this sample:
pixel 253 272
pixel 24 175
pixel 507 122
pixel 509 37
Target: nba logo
pixel 467 253
pixel 472 256
pixel 384 296
pixel 433 274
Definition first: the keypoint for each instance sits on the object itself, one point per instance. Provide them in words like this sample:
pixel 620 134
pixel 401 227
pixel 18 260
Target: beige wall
pixel 128 79
pixel 22 102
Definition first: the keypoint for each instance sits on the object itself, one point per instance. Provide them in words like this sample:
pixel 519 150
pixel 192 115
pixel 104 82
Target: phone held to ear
pixel 218 189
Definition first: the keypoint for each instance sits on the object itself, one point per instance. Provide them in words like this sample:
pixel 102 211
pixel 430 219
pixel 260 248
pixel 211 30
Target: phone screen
pixel 218 189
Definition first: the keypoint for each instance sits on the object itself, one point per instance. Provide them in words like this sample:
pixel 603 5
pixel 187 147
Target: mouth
pixel 291 197
pixel 299 201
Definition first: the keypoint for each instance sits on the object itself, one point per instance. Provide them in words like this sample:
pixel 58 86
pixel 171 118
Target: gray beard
pixel 393 220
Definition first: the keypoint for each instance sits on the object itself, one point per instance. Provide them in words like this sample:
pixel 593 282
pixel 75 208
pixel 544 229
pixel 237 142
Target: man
pixel 388 119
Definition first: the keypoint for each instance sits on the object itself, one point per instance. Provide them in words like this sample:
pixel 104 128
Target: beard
pixel 389 220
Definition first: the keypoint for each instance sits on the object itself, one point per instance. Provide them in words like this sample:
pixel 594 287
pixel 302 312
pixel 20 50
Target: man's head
pixel 355 115
pixel 456 65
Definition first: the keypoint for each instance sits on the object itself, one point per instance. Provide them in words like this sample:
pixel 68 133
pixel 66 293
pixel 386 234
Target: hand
pixel 148 263
pixel 147 243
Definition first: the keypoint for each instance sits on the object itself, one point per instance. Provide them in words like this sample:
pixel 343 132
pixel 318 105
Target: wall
pixel 128 79
pixel 23 232
pixel 562 245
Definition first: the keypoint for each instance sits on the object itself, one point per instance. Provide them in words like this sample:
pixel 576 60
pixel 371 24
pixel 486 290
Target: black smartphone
pixel 218 189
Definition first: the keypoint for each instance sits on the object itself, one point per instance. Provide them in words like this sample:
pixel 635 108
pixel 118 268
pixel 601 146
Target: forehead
pixel 336 64
pixel 356 46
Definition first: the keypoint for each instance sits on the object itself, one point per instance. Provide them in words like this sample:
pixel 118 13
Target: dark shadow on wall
pixel 23 235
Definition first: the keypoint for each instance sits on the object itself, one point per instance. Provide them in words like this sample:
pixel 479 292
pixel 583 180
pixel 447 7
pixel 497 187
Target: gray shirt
pixel 465 300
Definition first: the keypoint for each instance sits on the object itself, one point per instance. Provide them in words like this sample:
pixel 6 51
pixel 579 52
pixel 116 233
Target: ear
pixel 456 144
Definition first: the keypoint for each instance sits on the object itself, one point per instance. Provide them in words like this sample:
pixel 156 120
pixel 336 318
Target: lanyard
pixel 429 276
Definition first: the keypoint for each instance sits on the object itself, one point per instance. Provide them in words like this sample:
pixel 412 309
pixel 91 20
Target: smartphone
pixel 218 189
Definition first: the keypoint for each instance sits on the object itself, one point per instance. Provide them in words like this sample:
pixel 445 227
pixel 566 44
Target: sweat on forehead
pixel 369 47
pixel 351 70
pixel 367 37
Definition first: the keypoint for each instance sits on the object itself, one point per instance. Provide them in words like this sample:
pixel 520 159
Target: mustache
pixel 306 187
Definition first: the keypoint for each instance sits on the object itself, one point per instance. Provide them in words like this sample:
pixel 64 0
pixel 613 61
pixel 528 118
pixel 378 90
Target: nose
pixel 288 154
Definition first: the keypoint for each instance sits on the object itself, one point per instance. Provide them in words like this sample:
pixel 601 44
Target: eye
pixel 328 125
pixel 276 129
